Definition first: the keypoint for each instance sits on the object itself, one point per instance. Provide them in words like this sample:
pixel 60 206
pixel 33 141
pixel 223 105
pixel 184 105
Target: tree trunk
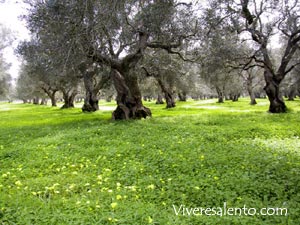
pixel 235 98
pixel 90 102
pixel 36 100
pixel 168 94
pixel 220 95
pixel 51 94
pixel 170 100
pixel 108 98
pixel 69 97
pixel 277 104
pixel 129 99
pixel 53 99
pixel 44 101
pixel 252 95
pixel 182 96
pixel 252 99
pixel 292 93
pixel 159 99
pixel 91 99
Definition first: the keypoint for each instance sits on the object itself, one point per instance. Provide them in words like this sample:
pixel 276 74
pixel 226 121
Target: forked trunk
pixel 129 99
pixel 51 94
pixel 234 98
pixel 170 100
pixel 90 102
pixel 69 97
pixel 277 104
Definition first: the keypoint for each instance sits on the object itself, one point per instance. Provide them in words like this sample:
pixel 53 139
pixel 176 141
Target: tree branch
pixel 291 68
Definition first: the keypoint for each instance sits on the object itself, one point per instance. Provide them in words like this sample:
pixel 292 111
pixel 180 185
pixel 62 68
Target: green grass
pixel 66 167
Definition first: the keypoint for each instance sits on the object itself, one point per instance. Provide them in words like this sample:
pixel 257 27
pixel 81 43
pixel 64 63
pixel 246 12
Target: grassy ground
pixel 66 167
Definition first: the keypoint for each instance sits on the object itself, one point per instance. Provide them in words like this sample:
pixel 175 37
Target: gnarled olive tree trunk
pixel 159 99
pixel 250 92
pixel 220 95
pixel 292 92
pixel 91 99
pixel 129 98
pixel 69 97
pixel 51 94
pixel 53 99
pixel 234 97
pixel 93 83
pixel 43 101
pixel 182 96
pixel 169 96
pixel 36 100
pixel 277 104
pixel 252 97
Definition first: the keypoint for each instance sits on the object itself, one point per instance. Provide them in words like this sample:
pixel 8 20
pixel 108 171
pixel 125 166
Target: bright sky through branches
pixel 10 11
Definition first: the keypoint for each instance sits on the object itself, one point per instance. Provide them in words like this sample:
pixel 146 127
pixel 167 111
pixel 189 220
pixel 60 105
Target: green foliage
pixel 66 167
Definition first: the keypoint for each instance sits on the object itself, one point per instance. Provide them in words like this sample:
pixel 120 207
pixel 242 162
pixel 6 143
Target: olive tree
pixel 115 34
pixel 263 19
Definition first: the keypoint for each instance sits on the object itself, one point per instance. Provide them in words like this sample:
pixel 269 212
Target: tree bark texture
pixel 251 93
pixel 252 98
pixel 169 96
pixel 69 97
pixel 44 101
pixel 51 94
pixel 220 95
pixel 292 92
pixel 36 100
pixel 129 98
pixel 277 104
pixel 53 99
pixel 182 96
pixel 159 99
pixel 234 97
pixel 91 99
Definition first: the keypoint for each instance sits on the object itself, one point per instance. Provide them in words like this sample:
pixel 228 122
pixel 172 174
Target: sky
pixel 10 11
